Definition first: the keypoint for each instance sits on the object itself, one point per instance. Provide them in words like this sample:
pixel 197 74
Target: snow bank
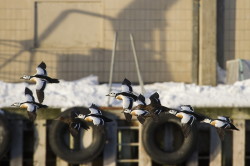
pixel 87 90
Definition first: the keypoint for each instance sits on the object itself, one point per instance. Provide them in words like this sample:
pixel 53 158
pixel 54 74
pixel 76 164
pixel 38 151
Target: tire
pixel 57 133
pixel 5 137
pixel 159 155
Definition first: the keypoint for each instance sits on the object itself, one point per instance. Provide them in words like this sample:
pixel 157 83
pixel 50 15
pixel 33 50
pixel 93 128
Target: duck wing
pixel 40 86
pixel 186 128
pixel 127 102
pixel 94 109
pixel 141 119
pixel 140 100
pixel 29 95
pixel 154 99
pixel 128 116
pixel 41 69
pixel 126 86
pixel 31 115
pixel 188 108
pixel 221 133
pixel 74 128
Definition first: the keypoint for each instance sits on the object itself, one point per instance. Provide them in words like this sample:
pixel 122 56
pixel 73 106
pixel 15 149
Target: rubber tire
pixel 160 156
pixel 5 137
pixel 75 156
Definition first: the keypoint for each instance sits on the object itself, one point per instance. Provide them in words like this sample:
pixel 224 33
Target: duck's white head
pixel 207 120
pixel 112 94
pixel 126 111
pixel 81 116
pixel 25 77
pixel 174 112
pixel 17 104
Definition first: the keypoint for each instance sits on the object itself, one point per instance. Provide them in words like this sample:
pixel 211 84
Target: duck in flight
pixel 141 111
pixel 75 125
pixel 41 79
pixel 95 116
pixel 187 116
pixel 151 110
pixel 127 96
pixel 30 104
pixel 222 123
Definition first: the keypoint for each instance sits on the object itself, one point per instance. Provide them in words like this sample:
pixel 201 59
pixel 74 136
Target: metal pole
pixel 137 65
pixel 112 66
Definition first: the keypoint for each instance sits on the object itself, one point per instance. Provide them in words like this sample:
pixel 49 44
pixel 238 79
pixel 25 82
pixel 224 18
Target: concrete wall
pixel 75 38
pixel 237 30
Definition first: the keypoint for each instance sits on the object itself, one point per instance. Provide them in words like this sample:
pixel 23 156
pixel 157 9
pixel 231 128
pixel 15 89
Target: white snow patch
pixel 85 91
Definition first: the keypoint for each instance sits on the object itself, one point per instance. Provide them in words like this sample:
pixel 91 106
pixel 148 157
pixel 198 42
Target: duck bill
pixel 21 78
pixel 107 95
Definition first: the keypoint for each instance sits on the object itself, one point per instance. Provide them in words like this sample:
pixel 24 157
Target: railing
pixel 29 146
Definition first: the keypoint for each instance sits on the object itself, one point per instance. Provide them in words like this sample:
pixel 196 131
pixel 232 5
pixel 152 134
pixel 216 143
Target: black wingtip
pixel 40 96
pixel 28 91
pixel 94 106
pixel 126 82
pixel 155 95
pixel 141 98
pixel 54 80
pixel 42 65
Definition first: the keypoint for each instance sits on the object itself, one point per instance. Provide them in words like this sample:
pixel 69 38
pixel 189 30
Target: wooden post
pixel 110 149
pixel 16 148
pixel 215 148
pixel 144 159
pixel 40 143
pixel 87 140
pixel 239 143
pixel 193 160
pixel 207 51
pixel 195 42
pixel 61 162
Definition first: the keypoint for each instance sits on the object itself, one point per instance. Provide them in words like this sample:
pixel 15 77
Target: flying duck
pixel 127 97
pixel 94 116
pixel 151 110
pixel 187 116
pixel 75 125
pixel 30 104
pixel 140 111
pixel 126 90
pixel 41 79
pixel 221 124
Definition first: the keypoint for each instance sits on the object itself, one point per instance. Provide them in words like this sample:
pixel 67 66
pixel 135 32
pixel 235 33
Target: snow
pixel 85 91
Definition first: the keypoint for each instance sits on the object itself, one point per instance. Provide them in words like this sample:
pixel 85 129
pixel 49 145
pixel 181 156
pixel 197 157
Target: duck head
pixel 207 120
pixel 111 94
pixel 173 112
pixel 17 104
pixel 81 116
pixel 25 77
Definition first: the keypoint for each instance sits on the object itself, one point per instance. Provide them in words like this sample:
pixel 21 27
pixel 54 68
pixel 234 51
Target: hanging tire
pixel 61 148
pixel 5 137
pixel 154 147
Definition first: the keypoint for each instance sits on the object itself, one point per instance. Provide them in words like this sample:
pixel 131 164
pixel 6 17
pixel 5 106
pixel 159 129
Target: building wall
pixel 75 38
pixel 237 30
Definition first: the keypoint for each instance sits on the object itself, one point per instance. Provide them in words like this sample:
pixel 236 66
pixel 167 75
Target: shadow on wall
pixel 226 15
pixel 144 19
pixel 147 22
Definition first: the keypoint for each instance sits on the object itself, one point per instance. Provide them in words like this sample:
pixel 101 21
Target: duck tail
pixel 233 127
